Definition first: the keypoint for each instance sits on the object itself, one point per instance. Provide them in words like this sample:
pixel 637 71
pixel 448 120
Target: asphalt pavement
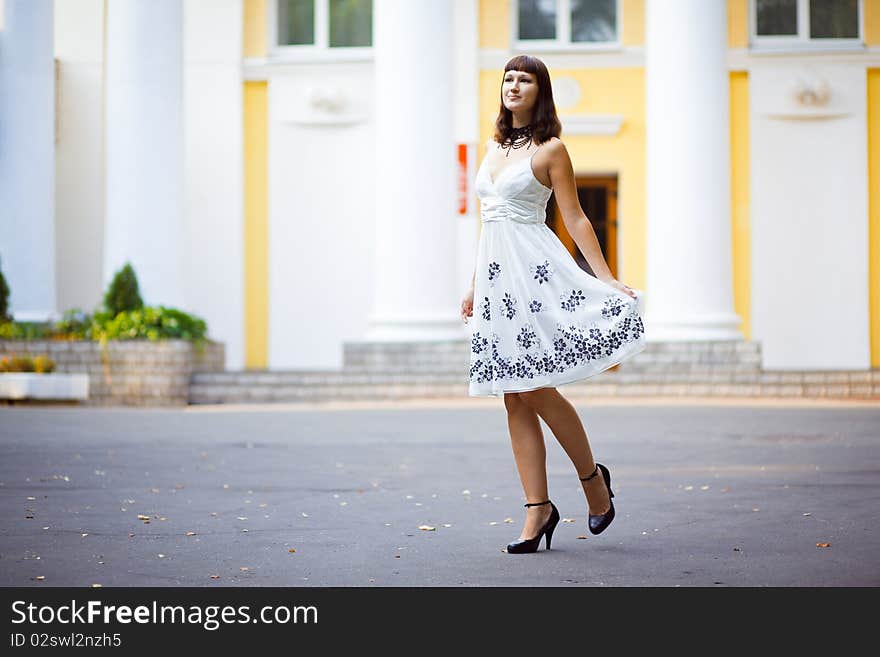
pixel 426 494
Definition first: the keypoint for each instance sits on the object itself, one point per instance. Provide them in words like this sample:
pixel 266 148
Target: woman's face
pixel 519 90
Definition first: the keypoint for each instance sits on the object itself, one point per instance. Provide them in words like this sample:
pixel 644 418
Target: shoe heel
pixel 532 544
pixel 607 480
pixel 598 523
pixel 551 525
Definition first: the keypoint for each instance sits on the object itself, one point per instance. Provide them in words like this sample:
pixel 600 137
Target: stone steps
pixel 376 371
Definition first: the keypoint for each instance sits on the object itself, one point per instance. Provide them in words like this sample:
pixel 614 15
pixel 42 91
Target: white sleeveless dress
pixel 539 319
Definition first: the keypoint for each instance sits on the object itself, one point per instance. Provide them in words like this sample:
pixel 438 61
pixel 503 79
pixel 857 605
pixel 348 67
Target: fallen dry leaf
pixel 582 536
pixel 823 544
pixel 291 550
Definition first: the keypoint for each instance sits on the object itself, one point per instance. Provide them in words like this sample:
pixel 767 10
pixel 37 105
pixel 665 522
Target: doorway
pixel 598 198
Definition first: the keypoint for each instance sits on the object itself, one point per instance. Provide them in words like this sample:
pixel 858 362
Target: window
pixel 567 24
pixel 809 24
pixel 320 27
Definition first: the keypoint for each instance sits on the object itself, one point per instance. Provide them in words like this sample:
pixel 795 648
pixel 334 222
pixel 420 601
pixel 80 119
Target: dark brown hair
pixel 545 122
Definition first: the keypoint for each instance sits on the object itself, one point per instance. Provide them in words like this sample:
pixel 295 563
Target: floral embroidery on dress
pixel 508 306
pixel 572 346
pixel 535 306
pixel 542 273
pixel 527 337
pixel 487 315
pixel 494 272
pixel 613 307
pixel 479 343
pixel 573 301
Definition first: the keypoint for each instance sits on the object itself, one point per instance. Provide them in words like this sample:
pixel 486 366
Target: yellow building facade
pixel 611 168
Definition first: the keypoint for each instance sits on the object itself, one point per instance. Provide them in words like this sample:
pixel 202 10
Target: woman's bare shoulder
pixel 554 143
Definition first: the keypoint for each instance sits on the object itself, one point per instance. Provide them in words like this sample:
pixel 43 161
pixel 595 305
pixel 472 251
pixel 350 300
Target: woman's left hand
pixel 613 282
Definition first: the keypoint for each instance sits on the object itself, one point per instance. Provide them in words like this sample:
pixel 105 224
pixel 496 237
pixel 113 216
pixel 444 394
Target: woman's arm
pixel 576 222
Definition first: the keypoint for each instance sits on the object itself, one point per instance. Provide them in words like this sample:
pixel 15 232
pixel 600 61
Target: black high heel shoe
pixel 599 522
pixel 523 545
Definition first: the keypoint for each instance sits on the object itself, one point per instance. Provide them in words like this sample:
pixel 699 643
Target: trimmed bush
pixel 4 300
pixel 123 294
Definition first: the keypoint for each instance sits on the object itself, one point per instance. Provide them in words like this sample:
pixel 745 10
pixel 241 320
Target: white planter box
pixel 29 385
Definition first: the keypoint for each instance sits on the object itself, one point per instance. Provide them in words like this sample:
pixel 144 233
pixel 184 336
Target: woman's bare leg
pixel 530 453
pixel 563 420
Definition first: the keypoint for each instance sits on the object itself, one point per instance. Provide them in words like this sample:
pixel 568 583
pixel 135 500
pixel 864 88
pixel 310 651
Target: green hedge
pixel 147 322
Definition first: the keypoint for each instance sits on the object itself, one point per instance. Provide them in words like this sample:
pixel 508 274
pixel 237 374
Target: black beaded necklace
pixel 518 138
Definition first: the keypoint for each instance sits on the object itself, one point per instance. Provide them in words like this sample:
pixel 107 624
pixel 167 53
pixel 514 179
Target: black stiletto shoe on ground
pixel 524 545
pixel 599 522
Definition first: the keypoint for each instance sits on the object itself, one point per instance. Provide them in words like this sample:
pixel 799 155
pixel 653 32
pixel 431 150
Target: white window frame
pixel 563 41
pixel 802 40
pixel 320 50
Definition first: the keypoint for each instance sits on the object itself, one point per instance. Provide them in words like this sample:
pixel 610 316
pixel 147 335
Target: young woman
pixel 541 320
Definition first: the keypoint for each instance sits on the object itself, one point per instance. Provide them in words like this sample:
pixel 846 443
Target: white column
pixel 27 158
pixel 416 294
pixel 144 139
pixel 214 236
pixel 466 113
pixel 689 292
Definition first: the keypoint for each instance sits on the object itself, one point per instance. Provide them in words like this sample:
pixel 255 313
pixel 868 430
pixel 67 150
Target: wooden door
pixel 598 199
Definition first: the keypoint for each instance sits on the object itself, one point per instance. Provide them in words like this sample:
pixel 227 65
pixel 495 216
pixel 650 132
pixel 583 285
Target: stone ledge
pixel 30 385
pixel 128 372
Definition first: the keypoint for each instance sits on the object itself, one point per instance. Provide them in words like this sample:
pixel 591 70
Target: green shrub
pixel 25 330
pixel 74 324
pixel 4 300
pixel 26 363
pixel 122 317
pixel 149 322
pixel 43 364
pixel 123 293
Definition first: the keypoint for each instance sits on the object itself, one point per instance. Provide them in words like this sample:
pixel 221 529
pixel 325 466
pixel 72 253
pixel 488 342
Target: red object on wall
pixel 462 179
